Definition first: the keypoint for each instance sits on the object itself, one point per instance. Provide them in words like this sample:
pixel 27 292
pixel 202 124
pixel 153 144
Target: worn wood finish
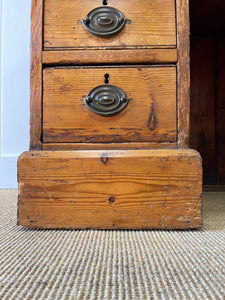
pixel 112 189
pixel 106 188
pixel 220 112
pixel 159 55
pixel 152 23
pixel 36 75
pixel 113 146
pixel 202 119
pixel 150 115
pixel 183 72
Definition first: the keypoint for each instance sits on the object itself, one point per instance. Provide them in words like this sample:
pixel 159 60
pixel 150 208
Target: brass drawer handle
pixel 104 22
pixel 106 100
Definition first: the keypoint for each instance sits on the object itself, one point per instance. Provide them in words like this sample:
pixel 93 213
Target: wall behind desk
pixel 15 87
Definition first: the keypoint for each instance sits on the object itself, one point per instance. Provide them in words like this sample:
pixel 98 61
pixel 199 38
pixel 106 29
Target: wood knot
pixel 112 199
pixel 152 121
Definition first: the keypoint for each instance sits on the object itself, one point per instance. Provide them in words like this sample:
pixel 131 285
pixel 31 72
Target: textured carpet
pixel 104 265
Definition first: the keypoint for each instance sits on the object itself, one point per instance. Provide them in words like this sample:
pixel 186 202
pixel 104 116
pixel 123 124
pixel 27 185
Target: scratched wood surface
pixel 36 74
pixel 152 24
pixel 101 146
pixel 183 72
pixel 149 116
pixel 111 189
pixel 156 55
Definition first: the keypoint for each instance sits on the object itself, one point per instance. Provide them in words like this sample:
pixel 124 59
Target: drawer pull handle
pixel 106 100
pixel 104 22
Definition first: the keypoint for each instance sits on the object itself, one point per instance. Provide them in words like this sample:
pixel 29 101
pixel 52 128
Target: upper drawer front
pixel 151 23
pixel 149 116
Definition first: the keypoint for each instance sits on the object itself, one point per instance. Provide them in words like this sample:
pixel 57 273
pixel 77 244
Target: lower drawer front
pixel 150 115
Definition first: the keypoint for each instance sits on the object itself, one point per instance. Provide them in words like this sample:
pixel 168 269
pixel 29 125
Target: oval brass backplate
pixel 106 100
pixel 104 22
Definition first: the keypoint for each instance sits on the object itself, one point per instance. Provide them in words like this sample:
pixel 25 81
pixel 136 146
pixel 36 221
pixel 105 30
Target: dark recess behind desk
pixel 207 120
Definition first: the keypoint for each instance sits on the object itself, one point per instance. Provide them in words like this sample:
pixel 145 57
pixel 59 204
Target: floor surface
pixel 105 265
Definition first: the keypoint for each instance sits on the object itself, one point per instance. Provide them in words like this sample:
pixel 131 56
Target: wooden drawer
pixel 150 23
pixel 150 115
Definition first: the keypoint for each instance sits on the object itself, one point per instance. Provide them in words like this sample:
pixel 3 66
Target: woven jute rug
pixel 95 264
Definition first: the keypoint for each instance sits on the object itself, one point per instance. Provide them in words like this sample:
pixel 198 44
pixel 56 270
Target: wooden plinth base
pixel 126 189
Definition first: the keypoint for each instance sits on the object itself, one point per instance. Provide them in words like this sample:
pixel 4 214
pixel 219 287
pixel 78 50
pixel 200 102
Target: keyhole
pixel 106 78
pixel 105 2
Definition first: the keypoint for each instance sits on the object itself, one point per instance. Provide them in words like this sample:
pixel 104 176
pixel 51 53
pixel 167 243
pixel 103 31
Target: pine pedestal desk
pixel 109 119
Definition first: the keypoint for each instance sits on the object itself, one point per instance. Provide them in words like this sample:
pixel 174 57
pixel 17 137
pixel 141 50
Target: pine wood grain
pixel 101 146
pixel 130 189
pixel 183 72
pixel 36 75
pixel 150 90
pixel 152 23
pixel 159 55
pixel 135 189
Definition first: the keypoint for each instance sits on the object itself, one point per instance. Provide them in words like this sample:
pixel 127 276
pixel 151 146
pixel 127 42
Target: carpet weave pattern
pixel 105 265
